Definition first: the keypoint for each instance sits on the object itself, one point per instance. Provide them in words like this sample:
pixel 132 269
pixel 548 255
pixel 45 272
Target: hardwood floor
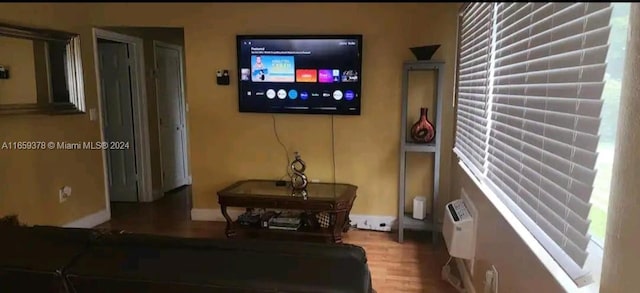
pixel 413 266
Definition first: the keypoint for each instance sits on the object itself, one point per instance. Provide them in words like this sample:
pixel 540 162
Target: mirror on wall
pixel 40 71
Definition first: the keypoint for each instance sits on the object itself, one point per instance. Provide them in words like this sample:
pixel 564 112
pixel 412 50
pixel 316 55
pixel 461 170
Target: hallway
pixel 170 215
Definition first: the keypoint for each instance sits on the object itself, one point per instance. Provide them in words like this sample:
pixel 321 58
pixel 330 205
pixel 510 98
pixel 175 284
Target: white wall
pixel 498 244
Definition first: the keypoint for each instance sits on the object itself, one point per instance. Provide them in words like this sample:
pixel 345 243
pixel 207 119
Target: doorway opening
pixel 169 76
pixel 140 74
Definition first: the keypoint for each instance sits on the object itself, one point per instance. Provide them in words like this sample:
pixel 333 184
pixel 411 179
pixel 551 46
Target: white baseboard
pixel 371 222
pixel 215 215
pixel 90 221
pixel 157 194
pixel 464 275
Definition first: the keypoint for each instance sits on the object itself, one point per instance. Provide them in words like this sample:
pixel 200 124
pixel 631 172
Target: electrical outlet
pixel 452 279
pixel 315 180
pixel 491 280
pixel 64 193
pixel 4 72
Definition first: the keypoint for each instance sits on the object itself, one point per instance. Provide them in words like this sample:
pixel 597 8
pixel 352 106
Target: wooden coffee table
pixel 334 199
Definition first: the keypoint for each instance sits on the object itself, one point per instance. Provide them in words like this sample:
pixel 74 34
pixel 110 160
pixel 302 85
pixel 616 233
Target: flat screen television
pixel 319 74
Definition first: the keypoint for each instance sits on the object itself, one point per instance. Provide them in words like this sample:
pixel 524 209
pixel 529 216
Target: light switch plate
pixel 92 114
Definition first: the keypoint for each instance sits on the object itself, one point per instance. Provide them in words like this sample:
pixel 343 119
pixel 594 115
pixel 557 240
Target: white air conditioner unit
pixel 458 230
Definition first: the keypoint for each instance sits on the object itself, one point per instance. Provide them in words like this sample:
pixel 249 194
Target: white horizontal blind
pixel 545 103
pixel 473 84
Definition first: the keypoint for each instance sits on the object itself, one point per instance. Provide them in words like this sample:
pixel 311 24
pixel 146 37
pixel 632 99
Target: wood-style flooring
pixel 413 266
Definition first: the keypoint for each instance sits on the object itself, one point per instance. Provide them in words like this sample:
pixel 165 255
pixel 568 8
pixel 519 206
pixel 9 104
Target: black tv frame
pixel 358 37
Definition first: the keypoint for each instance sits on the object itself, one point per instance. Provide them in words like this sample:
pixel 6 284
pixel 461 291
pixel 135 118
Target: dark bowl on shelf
pixel 424 52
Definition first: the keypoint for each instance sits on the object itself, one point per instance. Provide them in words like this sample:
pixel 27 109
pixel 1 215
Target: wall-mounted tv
pixel 319 74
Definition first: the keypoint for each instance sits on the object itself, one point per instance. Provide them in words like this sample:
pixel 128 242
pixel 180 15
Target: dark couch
pixel 52 259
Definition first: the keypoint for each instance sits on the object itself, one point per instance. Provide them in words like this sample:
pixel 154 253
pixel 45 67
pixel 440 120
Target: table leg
pixel 347 220
pixel 338 226
pixel 229 229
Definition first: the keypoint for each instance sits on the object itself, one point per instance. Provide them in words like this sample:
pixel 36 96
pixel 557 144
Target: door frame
pixel 139 110
pixel 184 109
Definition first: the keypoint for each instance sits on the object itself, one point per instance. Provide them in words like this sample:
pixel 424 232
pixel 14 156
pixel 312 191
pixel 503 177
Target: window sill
pixel 593 263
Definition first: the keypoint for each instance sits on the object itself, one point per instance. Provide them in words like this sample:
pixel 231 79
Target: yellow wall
pixel 17 56
pixel 30 180
pixel 227 145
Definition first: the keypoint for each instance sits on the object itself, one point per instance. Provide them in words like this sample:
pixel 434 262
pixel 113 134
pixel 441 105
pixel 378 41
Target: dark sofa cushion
pixel 279 247
pixel 43 248
pixel 106 285
pixel 158 264
pixel 32 258
pixel 53 259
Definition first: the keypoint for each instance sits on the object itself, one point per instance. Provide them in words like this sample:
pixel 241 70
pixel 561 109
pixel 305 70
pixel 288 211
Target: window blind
pixel 473 84
pixel 543 109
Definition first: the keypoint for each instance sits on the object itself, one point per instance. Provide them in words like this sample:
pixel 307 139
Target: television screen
pixel 300 74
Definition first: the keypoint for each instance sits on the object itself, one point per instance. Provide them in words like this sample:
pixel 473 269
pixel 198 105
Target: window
pixel 609 116
pixel 530 82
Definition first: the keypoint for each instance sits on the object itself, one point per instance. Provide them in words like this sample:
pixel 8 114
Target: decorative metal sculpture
pixel 298 179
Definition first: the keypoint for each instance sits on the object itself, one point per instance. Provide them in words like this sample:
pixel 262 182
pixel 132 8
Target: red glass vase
pixel 423 131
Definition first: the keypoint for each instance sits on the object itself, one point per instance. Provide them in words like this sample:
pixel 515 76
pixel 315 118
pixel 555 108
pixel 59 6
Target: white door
pixel 115 83
pixel 173 139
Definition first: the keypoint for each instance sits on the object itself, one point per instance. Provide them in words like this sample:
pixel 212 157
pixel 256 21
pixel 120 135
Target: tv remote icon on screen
pixel 282 94
pixel 271 94
pixel 337 95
